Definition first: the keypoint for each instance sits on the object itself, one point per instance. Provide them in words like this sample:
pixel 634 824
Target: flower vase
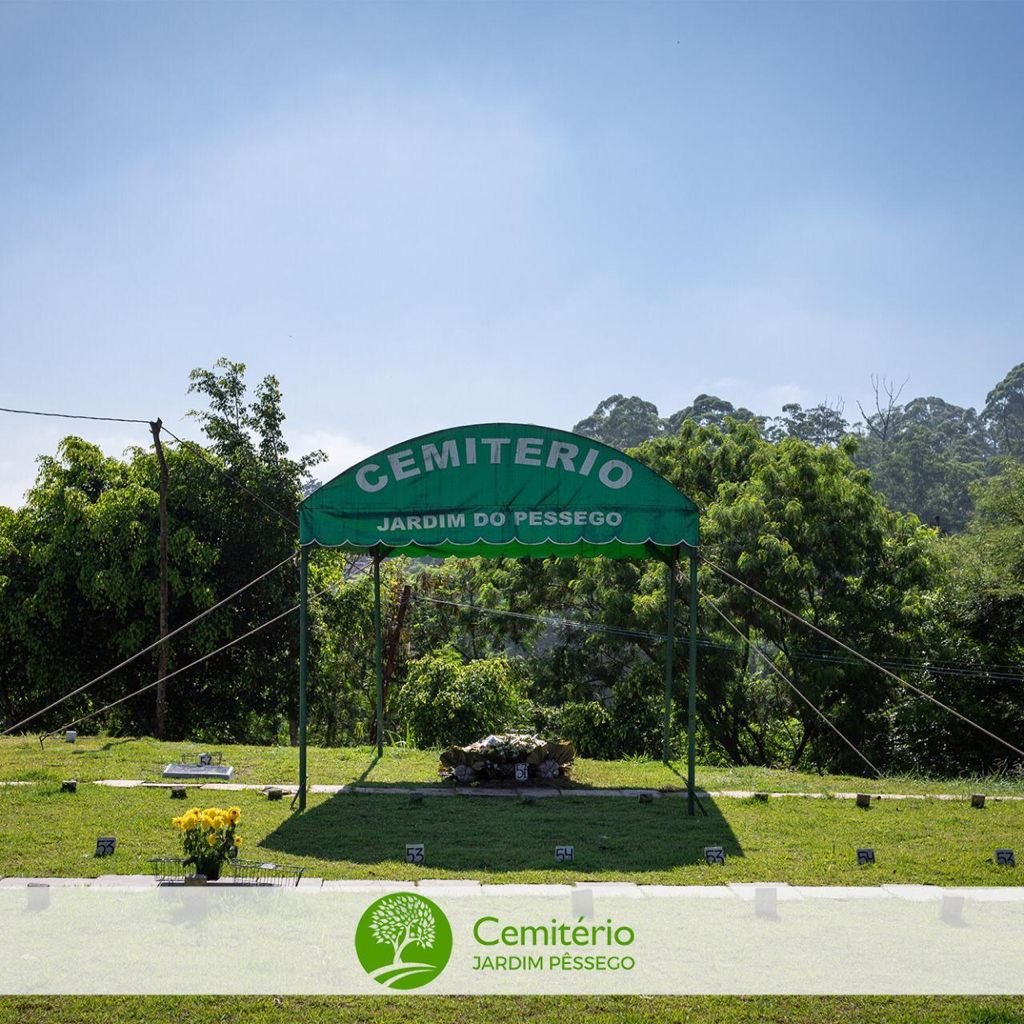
pixel 206 870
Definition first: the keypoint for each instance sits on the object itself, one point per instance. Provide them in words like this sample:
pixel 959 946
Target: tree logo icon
pixel 403 940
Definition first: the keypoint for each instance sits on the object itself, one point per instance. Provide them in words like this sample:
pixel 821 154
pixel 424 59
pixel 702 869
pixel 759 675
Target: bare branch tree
pixel 882 421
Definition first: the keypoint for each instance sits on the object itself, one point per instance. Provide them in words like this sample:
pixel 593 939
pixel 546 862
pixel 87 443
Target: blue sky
pixel 428 214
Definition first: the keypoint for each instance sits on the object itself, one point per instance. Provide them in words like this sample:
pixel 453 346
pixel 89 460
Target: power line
pixel 771 664
pixel 171 675
pixel 863 657
pixel 72 416
pixel 907 665
pixel 231 477
pixel 816 656
pixel 941 665
pixel 146 650
pixel 660 636
pixel 122 419
pixel 596 627
pixel 185 668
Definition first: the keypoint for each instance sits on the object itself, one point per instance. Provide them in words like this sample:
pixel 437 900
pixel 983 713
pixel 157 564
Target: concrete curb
pixel 744 892
pixel 385 789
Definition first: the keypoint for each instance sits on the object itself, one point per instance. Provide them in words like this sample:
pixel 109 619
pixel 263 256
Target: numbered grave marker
pixel 522 773
pixel 866 855
pixel 70 736
pixel 69 786
pixel 1005 858
pixel 864 800
pixel 274 794
pixel 105 846
pixel 978 801
pixel 414 853
pixel 714 855
pixel 178 793
pixel 565 854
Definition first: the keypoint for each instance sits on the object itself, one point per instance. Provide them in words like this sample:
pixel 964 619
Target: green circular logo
pixel 403 940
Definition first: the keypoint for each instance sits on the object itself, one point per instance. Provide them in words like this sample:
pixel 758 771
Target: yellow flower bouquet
pixel 208 838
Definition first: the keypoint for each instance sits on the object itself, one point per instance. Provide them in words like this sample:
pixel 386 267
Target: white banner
pixel 463 938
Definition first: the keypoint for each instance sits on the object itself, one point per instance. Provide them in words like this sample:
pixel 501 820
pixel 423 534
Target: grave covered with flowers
pixel 518 757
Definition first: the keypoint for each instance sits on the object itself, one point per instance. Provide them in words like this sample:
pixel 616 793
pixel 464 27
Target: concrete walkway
pixel 539 792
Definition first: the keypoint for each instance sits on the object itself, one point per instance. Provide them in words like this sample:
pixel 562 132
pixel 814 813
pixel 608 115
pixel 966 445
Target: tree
pixel 991 558
pixel 924 456
pixel 446 700
pixel 622 422
pixel 802 525
pixel 342 682
pixel 1004 413
pixel 81 560
pixel 252 508
pixel 821 424
pixel 248 438
pixel 881 423
pixel 401 921
pixel 79 574
pixel 973 641
pixel 710 411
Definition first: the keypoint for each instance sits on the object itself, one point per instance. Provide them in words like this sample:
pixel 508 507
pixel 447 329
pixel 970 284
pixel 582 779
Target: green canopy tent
pixel 507 490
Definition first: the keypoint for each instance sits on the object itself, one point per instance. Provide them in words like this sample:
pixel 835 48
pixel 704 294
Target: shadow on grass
pixel 108 746
pixel 412 775
pixel 498 834
pixel 368 770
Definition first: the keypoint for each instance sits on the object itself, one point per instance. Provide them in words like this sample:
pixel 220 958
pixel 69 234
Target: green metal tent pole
pixel 303 649
pixel 691 710
pixel 670 617
pixel 378 652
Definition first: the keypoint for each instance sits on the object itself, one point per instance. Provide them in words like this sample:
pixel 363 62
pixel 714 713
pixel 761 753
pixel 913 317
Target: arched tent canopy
pixel 508 490
pixel 500 490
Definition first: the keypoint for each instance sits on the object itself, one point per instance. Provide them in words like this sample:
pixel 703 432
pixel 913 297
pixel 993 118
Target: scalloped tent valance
pixel 500 489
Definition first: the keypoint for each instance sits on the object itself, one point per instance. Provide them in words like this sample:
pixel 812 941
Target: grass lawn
pixel 99 757
pixel 47 832
pixel 806 842
pixel 522 1009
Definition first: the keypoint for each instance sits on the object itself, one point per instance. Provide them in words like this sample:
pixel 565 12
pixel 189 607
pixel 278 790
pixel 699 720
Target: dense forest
pixel 901 533
pixel 923 456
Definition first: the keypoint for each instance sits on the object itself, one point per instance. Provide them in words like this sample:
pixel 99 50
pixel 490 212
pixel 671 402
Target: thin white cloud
pixel 23 447
pixel 342 451
pixel 440 244
pixel 345 199
pixel 18 465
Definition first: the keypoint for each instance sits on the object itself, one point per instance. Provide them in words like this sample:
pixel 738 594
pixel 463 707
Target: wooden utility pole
pixel 393 638
pixel 161 671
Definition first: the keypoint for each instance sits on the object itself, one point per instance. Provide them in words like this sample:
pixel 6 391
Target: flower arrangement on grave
pixel 496 757
pixel 208 838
